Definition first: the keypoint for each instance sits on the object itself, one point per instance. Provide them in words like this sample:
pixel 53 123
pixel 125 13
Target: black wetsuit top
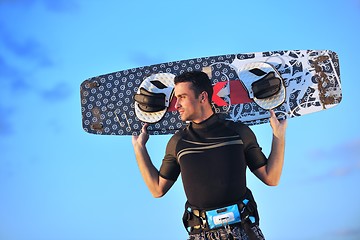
pixel 212 157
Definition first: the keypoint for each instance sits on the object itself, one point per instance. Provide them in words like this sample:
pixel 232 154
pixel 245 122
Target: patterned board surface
pixel 311 79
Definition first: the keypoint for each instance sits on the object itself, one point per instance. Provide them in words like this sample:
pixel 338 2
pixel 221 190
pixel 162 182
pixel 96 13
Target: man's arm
pixel 157 185
pixel 270 173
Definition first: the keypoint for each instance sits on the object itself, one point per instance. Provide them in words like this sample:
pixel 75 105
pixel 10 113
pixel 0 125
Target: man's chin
pixel 183 118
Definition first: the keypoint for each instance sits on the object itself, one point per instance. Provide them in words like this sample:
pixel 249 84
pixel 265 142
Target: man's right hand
pixel 142 139
pixel 157 185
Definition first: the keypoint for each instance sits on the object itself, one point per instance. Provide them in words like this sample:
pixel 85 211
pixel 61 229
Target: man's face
pixel 187 104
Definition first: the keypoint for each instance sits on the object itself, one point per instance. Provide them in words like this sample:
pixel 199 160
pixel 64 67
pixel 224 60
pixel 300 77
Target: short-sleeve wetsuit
pixel 212 157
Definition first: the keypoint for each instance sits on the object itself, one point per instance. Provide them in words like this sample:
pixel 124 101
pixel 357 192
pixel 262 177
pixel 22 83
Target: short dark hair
pixel 200 82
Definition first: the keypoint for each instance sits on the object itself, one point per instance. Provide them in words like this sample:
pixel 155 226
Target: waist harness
pixel 199 220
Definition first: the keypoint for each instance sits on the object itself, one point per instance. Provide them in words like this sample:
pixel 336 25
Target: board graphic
pixel 309 82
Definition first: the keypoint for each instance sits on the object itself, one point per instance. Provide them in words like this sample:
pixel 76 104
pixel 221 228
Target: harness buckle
pixel 247 209
pixel 201 217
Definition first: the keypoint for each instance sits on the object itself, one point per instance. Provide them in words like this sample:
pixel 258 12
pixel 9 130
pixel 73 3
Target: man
pixel 212 155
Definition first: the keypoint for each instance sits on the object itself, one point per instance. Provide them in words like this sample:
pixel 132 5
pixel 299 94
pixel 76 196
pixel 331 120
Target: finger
pixel 134 139
pixel 144 128
pixel 272 113
pixel 284 122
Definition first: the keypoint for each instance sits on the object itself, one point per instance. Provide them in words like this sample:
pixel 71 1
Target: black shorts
pixel 237 232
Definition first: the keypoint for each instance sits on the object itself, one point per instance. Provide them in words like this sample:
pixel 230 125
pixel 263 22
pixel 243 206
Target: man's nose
pixel 177 103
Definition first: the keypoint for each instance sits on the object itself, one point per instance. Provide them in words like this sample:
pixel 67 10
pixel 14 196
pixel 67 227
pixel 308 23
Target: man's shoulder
pixel 178 135
pixel 230 123
pixel 239 127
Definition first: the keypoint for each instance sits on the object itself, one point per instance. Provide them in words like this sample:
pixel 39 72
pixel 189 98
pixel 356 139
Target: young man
pixel 212 155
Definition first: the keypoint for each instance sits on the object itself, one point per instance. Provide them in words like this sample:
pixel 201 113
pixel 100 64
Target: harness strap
pixel 190 220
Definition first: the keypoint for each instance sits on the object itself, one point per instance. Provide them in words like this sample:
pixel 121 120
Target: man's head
pixel 200 82
pixel 193 91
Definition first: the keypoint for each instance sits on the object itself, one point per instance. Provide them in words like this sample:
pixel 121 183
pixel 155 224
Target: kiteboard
pixel 246 86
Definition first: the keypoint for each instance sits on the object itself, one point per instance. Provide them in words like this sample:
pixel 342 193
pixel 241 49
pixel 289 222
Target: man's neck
pixel 206 114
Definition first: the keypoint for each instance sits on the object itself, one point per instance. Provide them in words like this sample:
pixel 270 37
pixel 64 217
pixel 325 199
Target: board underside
pixel 311 79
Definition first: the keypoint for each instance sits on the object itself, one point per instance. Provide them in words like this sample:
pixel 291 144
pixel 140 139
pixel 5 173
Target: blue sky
pixel 59 183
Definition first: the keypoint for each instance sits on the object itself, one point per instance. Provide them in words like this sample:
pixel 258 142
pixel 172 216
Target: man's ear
pixel 204 96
